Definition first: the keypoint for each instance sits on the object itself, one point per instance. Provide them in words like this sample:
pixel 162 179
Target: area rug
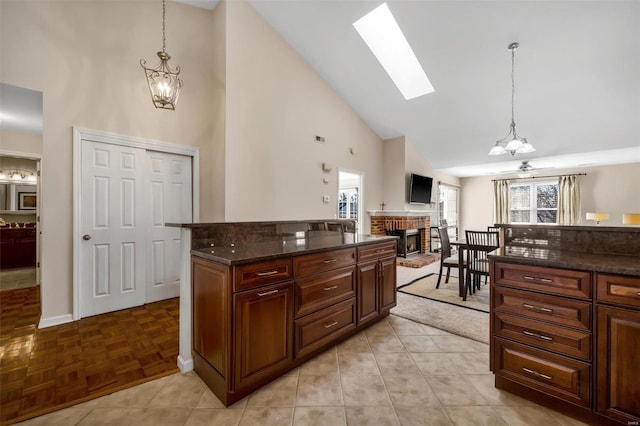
pixel 425 287
pixel 418 260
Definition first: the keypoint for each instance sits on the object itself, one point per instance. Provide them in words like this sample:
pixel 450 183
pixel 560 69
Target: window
pixel 534 202
pixel 348 203
pixel 448 208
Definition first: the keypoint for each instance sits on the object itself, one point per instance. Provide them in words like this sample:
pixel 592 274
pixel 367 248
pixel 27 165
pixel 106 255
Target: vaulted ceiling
pixel 576 76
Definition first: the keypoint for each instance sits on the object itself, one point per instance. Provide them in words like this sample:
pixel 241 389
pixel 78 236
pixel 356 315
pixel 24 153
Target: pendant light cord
pixel 163 31
pixel 513 85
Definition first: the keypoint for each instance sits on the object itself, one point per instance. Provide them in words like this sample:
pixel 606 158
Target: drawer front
pixel 618 289
pixel 552 374
pixel 258 274
pixel 564 341
pixel 325 261
pixel 563 282
pixel 556 310
pixel 319 291
pixel 376 251
pixel 323 327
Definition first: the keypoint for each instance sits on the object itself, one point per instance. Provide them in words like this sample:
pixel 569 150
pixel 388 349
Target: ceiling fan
pixel 524 170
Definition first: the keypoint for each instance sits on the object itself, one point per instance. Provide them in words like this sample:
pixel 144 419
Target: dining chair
pixel 479 243
pixel 446 260
pixel 494 229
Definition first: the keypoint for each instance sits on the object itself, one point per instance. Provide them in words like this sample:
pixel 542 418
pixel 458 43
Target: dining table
pixel 461 245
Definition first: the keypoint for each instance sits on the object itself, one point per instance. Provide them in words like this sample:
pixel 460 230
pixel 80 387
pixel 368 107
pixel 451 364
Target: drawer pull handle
pixel 537 308
pixel 333 287
pixel 536 373
pixel 638 293
pixel 266 274
pixel 266 293
pixel 330 260
pixel 331 324
pixel 544 280
pixel 538 336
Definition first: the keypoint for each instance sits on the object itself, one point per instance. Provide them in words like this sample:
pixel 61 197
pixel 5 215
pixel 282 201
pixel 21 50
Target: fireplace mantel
pixel 407 213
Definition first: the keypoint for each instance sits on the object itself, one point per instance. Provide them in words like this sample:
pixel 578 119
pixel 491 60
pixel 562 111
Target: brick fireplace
pixel 383 225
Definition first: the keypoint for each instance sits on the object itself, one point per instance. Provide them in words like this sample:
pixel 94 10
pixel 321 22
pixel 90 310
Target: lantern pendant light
pixel 164 83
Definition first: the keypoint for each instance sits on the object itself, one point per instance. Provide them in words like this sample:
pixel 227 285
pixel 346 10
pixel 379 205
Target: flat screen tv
pixel 420 189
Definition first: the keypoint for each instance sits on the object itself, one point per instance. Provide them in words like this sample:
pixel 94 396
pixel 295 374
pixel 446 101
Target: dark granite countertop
pixel 268 250
pixel 615 264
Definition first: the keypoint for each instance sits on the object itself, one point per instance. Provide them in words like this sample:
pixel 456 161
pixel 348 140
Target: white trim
pixel 80 134
pixel 27 155
pixel 57 320
pixel 185 360
pixel 185 365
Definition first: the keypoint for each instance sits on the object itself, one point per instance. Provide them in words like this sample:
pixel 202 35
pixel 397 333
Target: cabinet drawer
pixel 319 291
pixel 262 273
pixel 552 374
pixel 618 289
pixel 322 327
pixel 563 282
pixel 564 341
pixel 325 261
pixel 376 251
pixel 557 310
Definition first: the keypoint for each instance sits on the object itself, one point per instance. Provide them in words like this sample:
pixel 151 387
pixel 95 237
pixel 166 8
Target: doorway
pixel 125 190
pixel 350 194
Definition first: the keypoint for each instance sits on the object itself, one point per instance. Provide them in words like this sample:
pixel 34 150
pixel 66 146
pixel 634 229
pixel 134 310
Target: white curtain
pixel 568 200
pixel 502 205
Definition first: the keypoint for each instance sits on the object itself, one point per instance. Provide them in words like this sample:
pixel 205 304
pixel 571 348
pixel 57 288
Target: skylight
pixel 381 33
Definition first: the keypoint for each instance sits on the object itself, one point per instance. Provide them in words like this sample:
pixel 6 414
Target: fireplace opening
pixel 409 242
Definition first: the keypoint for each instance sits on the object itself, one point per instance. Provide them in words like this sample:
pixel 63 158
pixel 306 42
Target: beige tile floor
pixel 17 278
pixel 396 372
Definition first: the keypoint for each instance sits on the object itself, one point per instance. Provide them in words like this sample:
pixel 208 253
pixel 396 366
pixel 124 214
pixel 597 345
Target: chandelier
pixel 512 143
pixel 164 83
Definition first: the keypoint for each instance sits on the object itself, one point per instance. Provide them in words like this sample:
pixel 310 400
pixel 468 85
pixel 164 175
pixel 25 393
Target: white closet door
pixel 171 201
pixel 112 224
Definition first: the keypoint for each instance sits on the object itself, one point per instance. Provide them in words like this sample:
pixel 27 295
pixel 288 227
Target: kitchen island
pixel 266 297
pixel 565 319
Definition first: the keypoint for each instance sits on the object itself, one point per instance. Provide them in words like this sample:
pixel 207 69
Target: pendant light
pixel 512 143
pixel 164 83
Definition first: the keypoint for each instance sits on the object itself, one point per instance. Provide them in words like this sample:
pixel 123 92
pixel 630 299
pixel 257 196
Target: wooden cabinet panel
pixel 210 314
pixel 376 251
pixel 387 283
pixel 552 374
pixel 263 340
pixel 325 261
pixel 557 310
pixel 563 282
pixel 618 346
pixel 618 289
pixel 17 247
pixel 7 253
pixel 320 328
pixel 558 339
pixel 367 283
pixel 258 274
pixel 321 290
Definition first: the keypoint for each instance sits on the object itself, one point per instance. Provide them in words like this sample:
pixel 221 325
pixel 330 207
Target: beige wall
pixel 22 142
pixel 84 57
pixel 610 189
pixel 276 105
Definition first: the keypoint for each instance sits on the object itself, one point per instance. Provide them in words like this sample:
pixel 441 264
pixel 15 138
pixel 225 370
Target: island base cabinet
pixel 263 340
pixel 618 342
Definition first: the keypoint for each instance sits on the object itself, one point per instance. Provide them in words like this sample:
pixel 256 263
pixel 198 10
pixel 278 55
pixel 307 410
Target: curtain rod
pixel 538 177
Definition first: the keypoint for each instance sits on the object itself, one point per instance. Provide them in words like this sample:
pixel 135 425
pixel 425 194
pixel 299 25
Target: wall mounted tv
pixel 420 189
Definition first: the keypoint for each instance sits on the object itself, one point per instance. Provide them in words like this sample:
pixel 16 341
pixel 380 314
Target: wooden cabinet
pixel 376 281
pixel 263 321
pixel 618 348
pixel 254 321
pixel 542 330
pixel 17 247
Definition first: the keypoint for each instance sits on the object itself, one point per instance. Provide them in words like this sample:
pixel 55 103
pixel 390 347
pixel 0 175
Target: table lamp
pixel 631 218
pixel 597 217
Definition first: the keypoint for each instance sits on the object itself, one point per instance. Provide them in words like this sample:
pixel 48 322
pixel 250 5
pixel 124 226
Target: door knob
pixel 86 237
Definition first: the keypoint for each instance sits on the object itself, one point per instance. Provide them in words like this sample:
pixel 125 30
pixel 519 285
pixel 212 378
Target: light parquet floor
pixel 43 370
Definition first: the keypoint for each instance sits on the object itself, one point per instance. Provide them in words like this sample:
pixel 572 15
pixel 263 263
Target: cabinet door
pixel 387 283
pixel 210 282
pixel 7 251
pixel 25 251
pixel 263 339
pixel 367 294
pixel 618 387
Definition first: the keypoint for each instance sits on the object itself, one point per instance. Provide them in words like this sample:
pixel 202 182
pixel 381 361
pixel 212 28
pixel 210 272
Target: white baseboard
pixel 185 365
pixel 51 321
